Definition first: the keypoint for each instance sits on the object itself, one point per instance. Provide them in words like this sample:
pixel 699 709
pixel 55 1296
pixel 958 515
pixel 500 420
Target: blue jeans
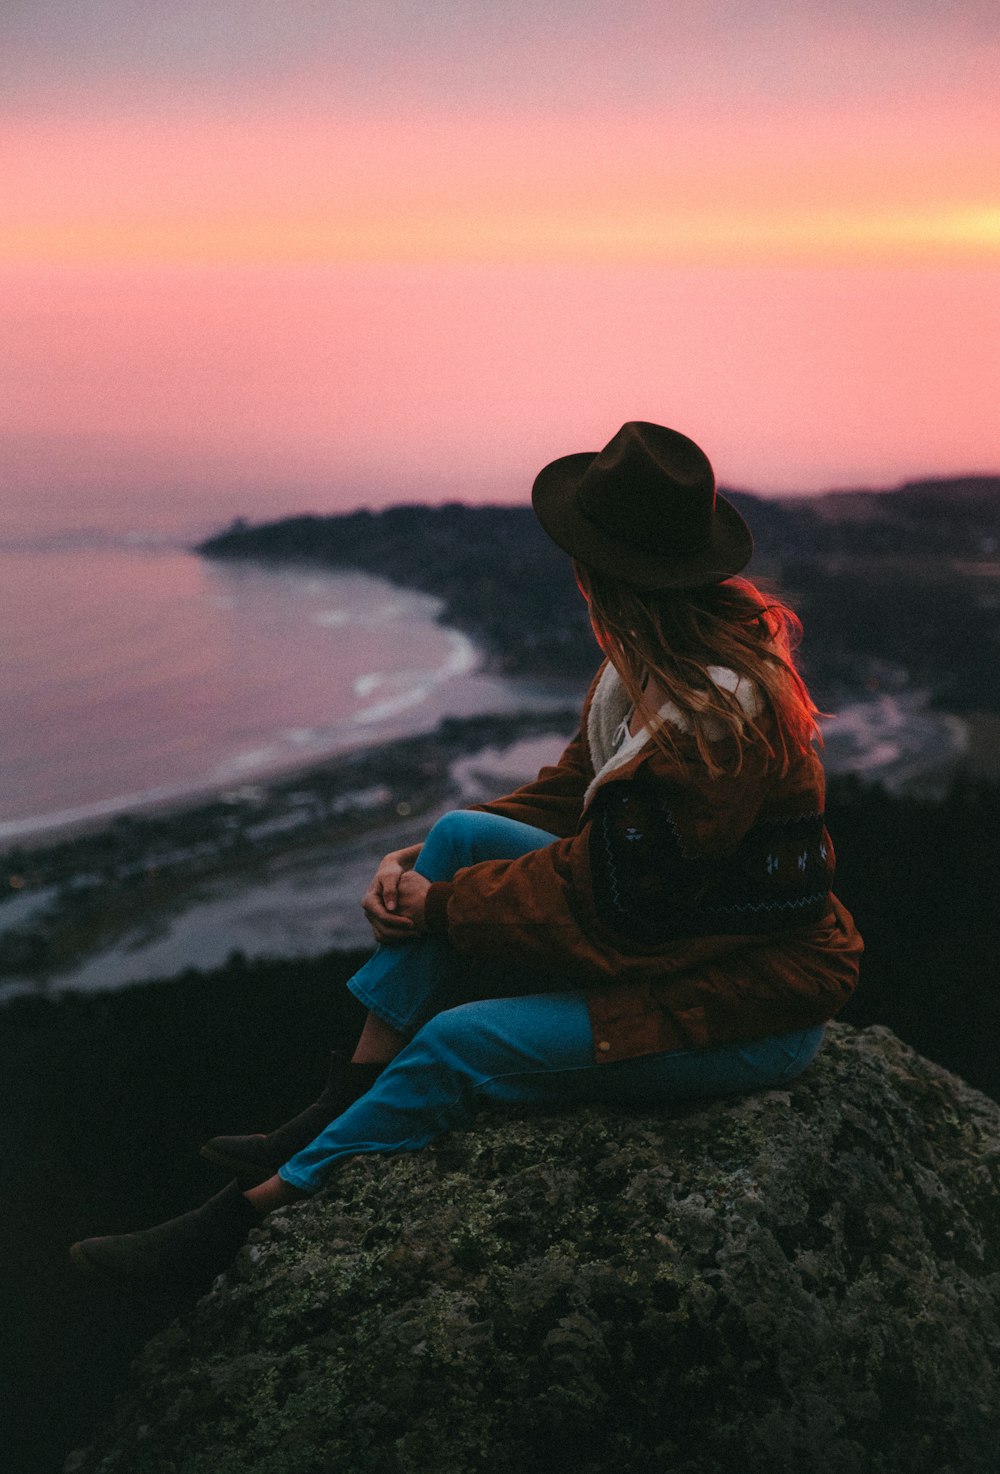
pixel 529 1046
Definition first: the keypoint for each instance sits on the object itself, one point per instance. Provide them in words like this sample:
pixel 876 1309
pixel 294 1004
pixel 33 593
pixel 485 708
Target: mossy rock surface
pixel 806 1281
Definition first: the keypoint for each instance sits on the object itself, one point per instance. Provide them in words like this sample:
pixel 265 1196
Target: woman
pixel 650 920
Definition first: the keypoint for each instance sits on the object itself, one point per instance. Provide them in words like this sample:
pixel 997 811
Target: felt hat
pixel 645 509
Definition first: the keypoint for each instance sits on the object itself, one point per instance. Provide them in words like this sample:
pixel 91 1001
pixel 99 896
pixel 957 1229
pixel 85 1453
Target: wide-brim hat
pixel 645 509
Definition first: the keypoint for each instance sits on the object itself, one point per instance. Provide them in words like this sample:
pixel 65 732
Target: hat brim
pixel 553 498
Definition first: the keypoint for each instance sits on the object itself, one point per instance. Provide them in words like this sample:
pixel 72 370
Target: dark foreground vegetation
pixel 107 1097
pixel 919 878
pixel 106 1100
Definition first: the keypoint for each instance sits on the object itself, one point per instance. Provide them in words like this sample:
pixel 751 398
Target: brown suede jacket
pixel 692 911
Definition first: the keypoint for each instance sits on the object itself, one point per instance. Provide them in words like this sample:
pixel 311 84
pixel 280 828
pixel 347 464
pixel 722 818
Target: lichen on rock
pixel 805 1281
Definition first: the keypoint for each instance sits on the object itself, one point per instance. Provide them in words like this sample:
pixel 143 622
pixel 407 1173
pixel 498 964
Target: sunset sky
pixel 277 253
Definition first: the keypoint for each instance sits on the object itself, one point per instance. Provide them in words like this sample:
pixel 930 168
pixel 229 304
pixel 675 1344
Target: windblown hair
pixel 671 636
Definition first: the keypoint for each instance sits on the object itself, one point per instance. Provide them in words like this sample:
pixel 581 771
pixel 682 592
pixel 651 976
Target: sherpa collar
pixel 610 706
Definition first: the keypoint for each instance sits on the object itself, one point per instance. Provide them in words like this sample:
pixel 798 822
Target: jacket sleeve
pixel 527 911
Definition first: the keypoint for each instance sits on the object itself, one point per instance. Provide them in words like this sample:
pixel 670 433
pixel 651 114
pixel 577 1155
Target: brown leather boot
pixel 185 1253
pixel 255 1158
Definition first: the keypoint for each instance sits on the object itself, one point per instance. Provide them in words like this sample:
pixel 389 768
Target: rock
pixel 805 1281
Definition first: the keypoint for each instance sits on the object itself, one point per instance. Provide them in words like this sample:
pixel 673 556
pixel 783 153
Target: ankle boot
pixel 255 1158
pixel 184 1254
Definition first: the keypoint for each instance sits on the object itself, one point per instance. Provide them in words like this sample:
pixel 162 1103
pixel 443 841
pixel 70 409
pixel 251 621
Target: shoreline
pixel 975 746
pixel 369 659
pixel 51 832
pixel 271 862
pixel 45 831
pixel 276 865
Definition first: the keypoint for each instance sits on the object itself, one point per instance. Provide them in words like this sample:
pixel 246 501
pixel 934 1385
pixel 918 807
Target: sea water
pixel 135 671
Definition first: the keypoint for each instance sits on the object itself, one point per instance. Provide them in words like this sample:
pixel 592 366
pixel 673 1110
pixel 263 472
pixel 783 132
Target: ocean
pixel 136 672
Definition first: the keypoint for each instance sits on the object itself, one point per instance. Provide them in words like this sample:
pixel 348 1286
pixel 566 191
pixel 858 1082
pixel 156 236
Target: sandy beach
pixel 268 870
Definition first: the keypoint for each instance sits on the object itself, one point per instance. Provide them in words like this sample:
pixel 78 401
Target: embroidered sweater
pixel 692 910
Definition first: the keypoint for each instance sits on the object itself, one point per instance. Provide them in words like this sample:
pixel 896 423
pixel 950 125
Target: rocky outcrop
pixel 802 1282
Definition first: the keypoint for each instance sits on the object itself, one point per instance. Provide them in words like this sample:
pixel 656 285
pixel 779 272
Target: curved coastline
pixel 114 887
pixel 296 751
pixel 353 638
pixel 102 881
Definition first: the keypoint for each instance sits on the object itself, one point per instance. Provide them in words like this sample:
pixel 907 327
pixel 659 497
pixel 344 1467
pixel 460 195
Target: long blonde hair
pixel 670 636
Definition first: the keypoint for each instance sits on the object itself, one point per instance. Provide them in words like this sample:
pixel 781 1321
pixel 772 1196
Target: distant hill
pixel 499 576
pixel 973 492
pixel 902 580
pixel 957 517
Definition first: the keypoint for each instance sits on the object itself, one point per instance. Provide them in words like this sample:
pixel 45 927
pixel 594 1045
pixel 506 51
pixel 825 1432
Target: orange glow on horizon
pixel 397 290
pixel 960 236
pixel 798 188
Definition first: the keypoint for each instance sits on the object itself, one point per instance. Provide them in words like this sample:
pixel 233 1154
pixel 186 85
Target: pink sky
pixel 373 251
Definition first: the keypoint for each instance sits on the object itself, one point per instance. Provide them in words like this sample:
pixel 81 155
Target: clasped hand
pixel 394 902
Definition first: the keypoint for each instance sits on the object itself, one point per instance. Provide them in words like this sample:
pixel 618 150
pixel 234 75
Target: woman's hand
pixel 380 903
pixel 411 896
